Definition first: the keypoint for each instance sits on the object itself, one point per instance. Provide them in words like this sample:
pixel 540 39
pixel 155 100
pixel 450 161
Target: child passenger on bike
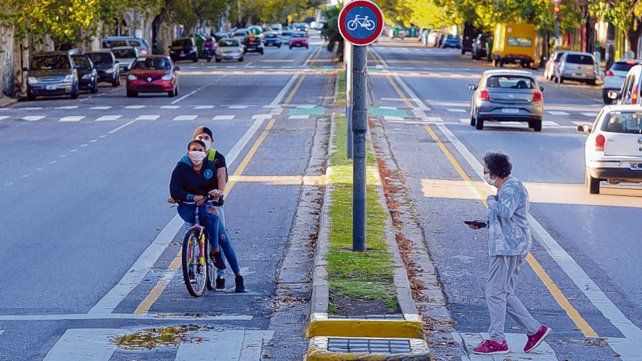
pixel 194 179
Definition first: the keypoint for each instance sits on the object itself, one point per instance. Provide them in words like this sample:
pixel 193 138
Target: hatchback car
pixel 183 49
pixel 615 76
pixel 229 49
pixel 631 90
pixel 551 64
pixel 87 74
pixel 451 41
pixel 272 39
pixel 125 56
pixel 120 41
pixel 52 74
pixel 507 95
pixel 254 44
pixel 286 35
pixel 153 74
pixel 613 148
pixel 107 66
pixel 577 66
pixel 299 40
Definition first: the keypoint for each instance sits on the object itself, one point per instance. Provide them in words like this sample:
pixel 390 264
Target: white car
pixel 613 150
pixel 614 77
pixel 125 56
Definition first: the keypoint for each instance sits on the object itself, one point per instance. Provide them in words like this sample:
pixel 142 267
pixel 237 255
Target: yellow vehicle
pixel 517 43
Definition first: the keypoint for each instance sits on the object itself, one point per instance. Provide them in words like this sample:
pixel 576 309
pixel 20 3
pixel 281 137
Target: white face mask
pixel 489 180
pixel 196 157
pixel 208 144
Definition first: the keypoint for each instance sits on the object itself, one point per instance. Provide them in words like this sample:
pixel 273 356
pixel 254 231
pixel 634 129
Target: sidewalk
pixel 7 101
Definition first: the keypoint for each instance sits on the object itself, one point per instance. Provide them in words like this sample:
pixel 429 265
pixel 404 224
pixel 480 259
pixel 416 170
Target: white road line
pixel 237 345
pixel 67 107
pixel 310 106
pixel 33 118
pixel 195 91
pixel 184 117
pixel 580 123
pixel 301 116
pixel 237 107
pixel 121 127
pixel 515 342
pixel 549 123
pixel 81 343
pixel 557 112
pixel 3 117
pixel 124 316
pixel 198 107
pixel 72 118
pixel 101 107
pixel 30 108
pixel 392 118
pixel 464 120
pixel 106 118
pixel 456 110
pixel 135 106
pixel 170 106
pixel 589 114
pixel 223 117
pixel 148 117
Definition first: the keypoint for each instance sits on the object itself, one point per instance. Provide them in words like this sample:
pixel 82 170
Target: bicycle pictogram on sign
pixel 361 22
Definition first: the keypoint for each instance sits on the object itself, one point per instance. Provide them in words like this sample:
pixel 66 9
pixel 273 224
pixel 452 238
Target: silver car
pixel 229 49
pixel 125 56
pixel 507 95
pixel 577 66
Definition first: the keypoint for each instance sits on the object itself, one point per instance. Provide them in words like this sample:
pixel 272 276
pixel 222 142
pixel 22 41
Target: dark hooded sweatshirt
pixel 187 183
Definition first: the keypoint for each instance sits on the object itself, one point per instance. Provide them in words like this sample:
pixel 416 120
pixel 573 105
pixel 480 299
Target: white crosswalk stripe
pixel 3 117
pixel 301 116
pixel 237 107
pixel 548 123
pixel 185 117
pixel 33 118
pixel 170 106
pixel 67 107
pixel 135 106
pixel 199 107
pixel 106 118
pixel 101 107
pixel 515 343
pixel 456 110
pixel 579 123
pixel 148 117
pixel 392 118
pixel 72 118
pixel 223 117
pixel 557 112
pixel 589 114
pixel 98 345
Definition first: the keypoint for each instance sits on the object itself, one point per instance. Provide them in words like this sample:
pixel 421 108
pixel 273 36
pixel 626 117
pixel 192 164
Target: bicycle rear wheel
pixel 194 262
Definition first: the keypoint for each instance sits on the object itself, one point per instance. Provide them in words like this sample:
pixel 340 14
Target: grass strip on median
pixel 360 283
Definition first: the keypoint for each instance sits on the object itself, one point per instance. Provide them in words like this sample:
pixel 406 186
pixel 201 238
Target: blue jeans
pixel 215 230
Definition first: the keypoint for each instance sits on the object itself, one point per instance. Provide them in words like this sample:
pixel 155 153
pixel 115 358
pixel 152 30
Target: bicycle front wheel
pixel 194 262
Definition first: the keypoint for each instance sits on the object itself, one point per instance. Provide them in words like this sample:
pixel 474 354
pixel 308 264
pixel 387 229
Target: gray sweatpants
pixel 502 277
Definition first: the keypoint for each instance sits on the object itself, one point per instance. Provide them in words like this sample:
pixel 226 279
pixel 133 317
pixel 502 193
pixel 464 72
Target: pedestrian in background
pixel 509 241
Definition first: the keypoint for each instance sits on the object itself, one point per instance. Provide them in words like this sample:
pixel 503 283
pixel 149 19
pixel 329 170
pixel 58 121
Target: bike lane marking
pixel 628 347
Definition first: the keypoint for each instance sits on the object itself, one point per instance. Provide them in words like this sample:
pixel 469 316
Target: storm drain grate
pixel 368 345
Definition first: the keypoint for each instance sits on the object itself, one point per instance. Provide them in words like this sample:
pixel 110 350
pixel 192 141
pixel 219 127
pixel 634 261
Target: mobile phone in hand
pixel 480 224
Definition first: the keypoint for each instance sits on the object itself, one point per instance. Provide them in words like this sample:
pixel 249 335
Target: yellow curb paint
pixel 152 297
pixel 548 282
pixel 365 328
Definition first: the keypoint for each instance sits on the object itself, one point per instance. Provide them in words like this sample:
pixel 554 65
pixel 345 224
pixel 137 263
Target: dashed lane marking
pixel 3 117
pixel 72 118
pixel 170 106
pixel 223 117
pixel 549 123
pixel 122 126
pixel 237 107
pixel 185 117
pixel 106 118
pixel 456 110
pixel 581 123
pixel 33 118
pixel 199 107
pixel 135 106
pixel 67 107
pixel 101 107
pixel 589 114
pixel 557 112
pixel 148 117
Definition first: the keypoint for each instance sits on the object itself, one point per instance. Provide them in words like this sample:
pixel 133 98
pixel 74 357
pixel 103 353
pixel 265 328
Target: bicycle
pixel 364 23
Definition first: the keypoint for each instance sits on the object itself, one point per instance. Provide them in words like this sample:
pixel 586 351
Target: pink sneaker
pixel 536 339
pixel 491 347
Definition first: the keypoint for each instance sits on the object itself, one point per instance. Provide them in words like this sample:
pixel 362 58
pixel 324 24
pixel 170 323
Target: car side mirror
pixel 177 68
pixel 541 88
pixel 613 95
pixel 471 87
pixel 584 128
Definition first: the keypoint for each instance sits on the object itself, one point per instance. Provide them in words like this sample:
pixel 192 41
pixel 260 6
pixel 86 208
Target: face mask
pixel 208 144
pixel 489 180
pixel 196 157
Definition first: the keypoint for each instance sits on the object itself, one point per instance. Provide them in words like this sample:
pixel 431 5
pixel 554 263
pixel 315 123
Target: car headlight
pixel 167 76
pixel 32 80
pixel 86 76
pixel 131 77
pixel 69 78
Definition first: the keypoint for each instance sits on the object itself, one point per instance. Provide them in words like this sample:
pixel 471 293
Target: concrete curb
pixel 318 351
pixel 6 102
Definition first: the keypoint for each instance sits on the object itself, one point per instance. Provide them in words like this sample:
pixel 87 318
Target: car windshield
pixel 286 33
pixel 101 58
pixel 114 43
pixel 228 43
pixel 298 35
pixel 623 65
pixel 240 33
pixel 124 53
pixel 510 82
pixel 517 41
pixel 182 42
pixel 81 62
pixel 50 62
pixel 579 59
pixel 623 122
pixel 152 64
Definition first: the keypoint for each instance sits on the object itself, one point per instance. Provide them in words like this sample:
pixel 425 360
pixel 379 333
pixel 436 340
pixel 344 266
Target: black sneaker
pixel 240 287
pixel 218 260
pixel 220 283
pixel 191 275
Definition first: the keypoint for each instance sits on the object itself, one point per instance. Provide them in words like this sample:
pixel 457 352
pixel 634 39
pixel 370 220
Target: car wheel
pixel 290 47
pixel 217 60
pixel 209 59
pixel 536 125
pixel 307 47
pixel 463 52
pixel 195 58
pixel 278 46
pixel 479 124
pixel 592 184
pixel 131 94
pixel 262 51
pixel 115 82
pixel 241 59
pixel 75 93
pixel 94 88
pixel 560 79
pixel 591 82
pixel 30 96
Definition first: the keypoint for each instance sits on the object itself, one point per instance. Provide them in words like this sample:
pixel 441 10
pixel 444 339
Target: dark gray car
pixel 52 74
pixel 107 67
pixel 507 95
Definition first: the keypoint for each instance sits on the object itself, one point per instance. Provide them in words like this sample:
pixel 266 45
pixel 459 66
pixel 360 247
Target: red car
pixel 299 40
pixel 152 74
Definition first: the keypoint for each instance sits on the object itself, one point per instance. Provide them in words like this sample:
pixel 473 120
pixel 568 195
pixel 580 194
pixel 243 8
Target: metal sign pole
pixel 347 58
pixel 359 128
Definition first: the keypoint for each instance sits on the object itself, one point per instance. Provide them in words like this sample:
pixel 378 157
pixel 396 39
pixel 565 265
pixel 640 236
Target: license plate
pixel 51 87
pixel 510 110
pixel 636 166
pixel 579 74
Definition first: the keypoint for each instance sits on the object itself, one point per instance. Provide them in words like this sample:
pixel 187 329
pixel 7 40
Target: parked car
pixel 285 36
pixel 183 49
pixel 272 39
pixel 551 64
pixel 615 76
pixel 507 95
pixel 240 34
pixel 107 66
pixel 87 74
pixel 613 150
pixel 124 41
pixel 630 92
pixel 578 66
pixel 153 74
pixel 125 57
pixel 229 49
pixel 253 43
pixel 52 74
pixel 451 41
pixel 516 43
pixel 299 40
pixel 480 46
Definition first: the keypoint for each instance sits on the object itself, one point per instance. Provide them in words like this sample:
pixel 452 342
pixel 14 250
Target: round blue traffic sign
pixel 361 22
